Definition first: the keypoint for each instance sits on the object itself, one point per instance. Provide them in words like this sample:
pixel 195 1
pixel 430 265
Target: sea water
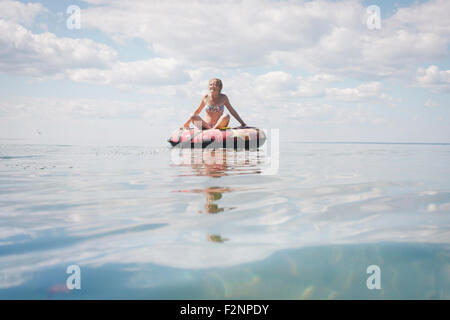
pixel 309 221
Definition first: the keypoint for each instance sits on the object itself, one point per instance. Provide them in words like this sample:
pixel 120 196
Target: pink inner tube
pixel 237 138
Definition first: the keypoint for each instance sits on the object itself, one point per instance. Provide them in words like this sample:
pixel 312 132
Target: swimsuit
pixel 215 108
pixel 218 109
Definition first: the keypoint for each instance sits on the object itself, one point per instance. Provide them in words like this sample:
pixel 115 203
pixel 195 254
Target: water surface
pixel 160 223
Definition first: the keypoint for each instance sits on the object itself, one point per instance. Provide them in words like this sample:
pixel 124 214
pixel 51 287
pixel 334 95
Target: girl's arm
pixel 233 112
pixel 197 111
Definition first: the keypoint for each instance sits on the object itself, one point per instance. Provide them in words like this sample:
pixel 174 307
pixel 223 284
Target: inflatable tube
pixel 237 138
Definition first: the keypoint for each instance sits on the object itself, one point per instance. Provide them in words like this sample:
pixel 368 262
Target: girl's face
pixel 214 86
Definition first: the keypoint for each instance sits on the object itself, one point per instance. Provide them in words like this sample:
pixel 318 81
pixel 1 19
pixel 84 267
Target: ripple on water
pixel 308 231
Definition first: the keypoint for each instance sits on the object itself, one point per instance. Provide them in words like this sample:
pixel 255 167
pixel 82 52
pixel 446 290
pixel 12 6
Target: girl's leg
pixel 222 122
pixel 200 123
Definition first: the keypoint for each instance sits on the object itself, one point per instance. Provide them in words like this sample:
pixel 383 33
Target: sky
pixel 131 72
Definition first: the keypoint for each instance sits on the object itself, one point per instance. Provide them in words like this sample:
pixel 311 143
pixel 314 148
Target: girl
pixel 215 102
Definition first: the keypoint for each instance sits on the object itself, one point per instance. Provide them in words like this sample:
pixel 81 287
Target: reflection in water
pixel 216 163
pixel 211 206
pixel 212 194
pixel 216 238
pixel 57 289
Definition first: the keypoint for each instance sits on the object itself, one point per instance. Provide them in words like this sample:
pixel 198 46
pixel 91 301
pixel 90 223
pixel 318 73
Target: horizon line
pixel 298 142
pixel 373 142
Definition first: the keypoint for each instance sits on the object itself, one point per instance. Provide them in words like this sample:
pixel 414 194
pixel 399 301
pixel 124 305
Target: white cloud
pixel 433 78
pixel 322 36
pixel 366 91
pixel 46 55
pixel 426 17
pixel 323 114
pixel 276 86
pixel 234 33
pixel 61 108
pixel 279 87
pixel 19 12
pixel 153 71
pixel 397 51
pixel 40 55
pixel 281 84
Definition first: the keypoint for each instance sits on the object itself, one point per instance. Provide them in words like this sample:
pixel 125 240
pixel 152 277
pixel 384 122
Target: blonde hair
pixel 219 81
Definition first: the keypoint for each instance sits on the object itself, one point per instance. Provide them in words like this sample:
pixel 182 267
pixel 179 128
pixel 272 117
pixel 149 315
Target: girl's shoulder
pixel 224 97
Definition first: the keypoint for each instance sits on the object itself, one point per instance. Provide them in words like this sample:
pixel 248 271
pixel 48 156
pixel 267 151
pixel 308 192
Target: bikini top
pixel 215 108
